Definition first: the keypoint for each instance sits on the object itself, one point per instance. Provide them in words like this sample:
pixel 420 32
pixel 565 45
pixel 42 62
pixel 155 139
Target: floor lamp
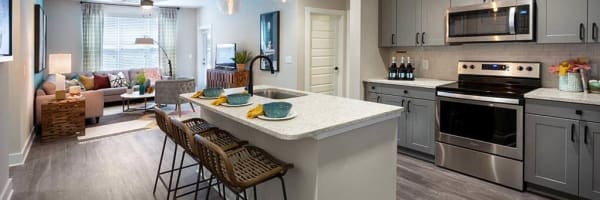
pixel 150 41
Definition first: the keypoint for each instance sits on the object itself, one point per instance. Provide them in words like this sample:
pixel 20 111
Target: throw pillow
pixel 87 81
pixel 153 75
pixel 49 87
pixel 101 82
pixel 117 81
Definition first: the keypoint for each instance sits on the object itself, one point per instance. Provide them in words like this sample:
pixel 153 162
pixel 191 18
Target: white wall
pixel 64 33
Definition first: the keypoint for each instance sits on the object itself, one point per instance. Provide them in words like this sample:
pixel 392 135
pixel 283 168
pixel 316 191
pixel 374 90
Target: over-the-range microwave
pixel 493 21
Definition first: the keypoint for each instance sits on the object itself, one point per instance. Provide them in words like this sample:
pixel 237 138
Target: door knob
pixel 336 68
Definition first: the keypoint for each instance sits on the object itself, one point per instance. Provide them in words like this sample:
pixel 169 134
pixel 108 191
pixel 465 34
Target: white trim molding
pixel 7 191
pixel 17 159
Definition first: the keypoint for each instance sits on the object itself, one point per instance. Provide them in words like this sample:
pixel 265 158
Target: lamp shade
pixel 59 63
pixel 144 41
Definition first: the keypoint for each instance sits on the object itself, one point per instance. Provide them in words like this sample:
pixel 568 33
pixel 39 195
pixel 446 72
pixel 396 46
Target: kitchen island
pixel 341 148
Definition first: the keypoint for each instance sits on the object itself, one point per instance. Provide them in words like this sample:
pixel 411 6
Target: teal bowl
pixel 238 99
pixel 277 109
pixel 213 92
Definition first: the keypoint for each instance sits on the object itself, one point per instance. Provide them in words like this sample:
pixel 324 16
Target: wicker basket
pixel 570 83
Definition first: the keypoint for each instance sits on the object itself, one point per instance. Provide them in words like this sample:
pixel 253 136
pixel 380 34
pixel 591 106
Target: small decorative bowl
pixel 238 99
pixel 213 92
pixel 277 109
pixel 595 86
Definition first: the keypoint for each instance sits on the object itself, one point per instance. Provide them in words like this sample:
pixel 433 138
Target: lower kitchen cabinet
pixel 416 129
pixel 562 148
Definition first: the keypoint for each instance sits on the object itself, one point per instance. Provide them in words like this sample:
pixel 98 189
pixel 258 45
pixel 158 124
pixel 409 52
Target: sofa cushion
pixel 49 87
pixel 153 75
pixel 118 80
pixel 114 72
pixel 113 91
pixel 87 81
pixel 101 81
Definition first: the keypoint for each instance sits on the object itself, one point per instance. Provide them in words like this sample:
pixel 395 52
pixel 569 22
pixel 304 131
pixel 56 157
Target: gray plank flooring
pixel 123 167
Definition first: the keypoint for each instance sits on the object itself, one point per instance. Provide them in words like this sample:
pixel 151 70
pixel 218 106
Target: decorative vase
pixel 142 89
pixel 570 82
pixel 241 67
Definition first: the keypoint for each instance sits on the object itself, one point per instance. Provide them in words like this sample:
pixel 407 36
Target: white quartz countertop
pixel 553 94
pixel 418 82
pixel 319 116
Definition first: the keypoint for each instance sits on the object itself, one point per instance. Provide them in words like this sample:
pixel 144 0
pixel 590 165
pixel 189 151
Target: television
pixel 5 28
pixel 224 56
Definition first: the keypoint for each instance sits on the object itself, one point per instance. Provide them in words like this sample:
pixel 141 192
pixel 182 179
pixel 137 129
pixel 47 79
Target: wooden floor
pixel 123 167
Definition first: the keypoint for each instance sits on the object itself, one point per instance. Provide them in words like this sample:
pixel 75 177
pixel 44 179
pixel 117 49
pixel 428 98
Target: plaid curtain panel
pixel 93 24
pixel 167 38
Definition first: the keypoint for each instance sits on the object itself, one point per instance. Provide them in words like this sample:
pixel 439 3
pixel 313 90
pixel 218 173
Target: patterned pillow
pixel 153 75
pixel 117 81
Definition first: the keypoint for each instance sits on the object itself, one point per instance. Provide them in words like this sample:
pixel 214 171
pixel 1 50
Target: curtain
pixel 93 23
pixel 167 38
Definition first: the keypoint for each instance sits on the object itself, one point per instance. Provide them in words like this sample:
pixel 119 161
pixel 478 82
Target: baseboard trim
pixel 17 159
pixel 7 191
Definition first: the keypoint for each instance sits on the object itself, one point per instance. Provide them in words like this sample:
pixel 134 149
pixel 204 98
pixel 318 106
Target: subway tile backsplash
pixel 443 60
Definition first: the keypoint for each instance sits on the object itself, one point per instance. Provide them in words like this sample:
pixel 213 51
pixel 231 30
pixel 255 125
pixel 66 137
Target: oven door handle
pixel 511 20
pixel 479 98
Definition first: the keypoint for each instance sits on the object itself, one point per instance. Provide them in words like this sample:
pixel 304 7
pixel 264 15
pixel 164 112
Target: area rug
pixel 117 124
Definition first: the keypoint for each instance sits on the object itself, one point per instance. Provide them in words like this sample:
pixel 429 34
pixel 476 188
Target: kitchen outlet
pixel 425 65
pixel 288 60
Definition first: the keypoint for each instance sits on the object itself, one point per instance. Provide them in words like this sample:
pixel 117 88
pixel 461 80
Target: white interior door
pixel 325 57
pixel 204 57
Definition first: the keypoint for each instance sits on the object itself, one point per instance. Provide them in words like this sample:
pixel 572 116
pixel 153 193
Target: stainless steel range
pixel 479 124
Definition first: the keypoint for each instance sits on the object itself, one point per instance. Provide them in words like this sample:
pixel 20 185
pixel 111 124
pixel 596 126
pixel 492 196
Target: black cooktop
pixel 492 86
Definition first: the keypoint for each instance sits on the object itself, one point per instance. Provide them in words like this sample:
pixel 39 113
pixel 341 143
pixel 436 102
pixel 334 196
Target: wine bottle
pixel 402 70
pixel 410 71
pixel 393 74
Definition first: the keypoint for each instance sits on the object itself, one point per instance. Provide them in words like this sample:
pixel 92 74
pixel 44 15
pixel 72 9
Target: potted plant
pixel 141 78
pixel 571 74
pixel 241 58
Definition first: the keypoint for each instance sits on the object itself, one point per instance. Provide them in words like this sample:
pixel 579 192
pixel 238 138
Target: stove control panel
pixel 500 68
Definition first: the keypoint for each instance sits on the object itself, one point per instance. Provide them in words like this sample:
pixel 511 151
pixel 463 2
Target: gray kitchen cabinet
pixel 551 157
pixel 416 128
pixel 433 14
pixel 593 26
pixel 406 22
pixel 589 180
pixel 387 22
pixel 420 115
pixel 459 3
pixel 562 21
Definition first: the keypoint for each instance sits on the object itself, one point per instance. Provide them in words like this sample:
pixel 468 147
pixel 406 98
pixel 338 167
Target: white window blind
pixel 119 51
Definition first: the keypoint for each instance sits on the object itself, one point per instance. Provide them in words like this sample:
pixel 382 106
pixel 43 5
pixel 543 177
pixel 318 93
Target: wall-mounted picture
pixel 5 27
pixel 269 39
pixel 40 39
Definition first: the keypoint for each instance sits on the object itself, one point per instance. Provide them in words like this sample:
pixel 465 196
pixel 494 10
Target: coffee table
pixel 126 99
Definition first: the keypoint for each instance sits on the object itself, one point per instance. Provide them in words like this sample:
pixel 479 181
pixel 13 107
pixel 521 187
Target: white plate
pixel 241 105
pixel 203 97
pixel 291 115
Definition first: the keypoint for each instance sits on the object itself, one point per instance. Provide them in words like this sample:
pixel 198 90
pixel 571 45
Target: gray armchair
pixel 168 91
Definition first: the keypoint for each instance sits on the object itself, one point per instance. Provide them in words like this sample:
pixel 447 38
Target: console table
pixel 218 78
pixel 63 118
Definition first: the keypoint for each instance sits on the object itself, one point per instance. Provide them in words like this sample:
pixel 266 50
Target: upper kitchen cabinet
pixel 562 21
pixel 459 3
pixel 387 23
pixel 412 22
pixel 593 21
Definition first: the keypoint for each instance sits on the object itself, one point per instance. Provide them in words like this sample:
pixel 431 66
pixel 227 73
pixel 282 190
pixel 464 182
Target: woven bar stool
pixel 183 132
pixel 242 168
pixel 164 123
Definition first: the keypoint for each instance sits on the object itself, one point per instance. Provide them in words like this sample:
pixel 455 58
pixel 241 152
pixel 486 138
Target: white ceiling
pixel 166 3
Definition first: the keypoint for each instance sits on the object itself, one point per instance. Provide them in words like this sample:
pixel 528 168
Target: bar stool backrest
pixel 163 120
pixel 215 160
pixel 185 136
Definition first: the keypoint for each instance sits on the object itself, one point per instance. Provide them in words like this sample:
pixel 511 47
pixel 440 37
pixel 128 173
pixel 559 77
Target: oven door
pixel 490 22
pixel 489 127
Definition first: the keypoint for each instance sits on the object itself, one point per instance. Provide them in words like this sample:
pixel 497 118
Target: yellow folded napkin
pixel 255 112
pixel 220 100
pixel 198 94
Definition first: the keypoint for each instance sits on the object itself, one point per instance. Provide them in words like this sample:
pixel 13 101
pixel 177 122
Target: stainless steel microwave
pixel 494 21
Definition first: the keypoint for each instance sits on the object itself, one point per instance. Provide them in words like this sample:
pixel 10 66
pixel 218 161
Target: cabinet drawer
pixel 372 96
pixel 370 87
pixel 563 110
pixel 410 92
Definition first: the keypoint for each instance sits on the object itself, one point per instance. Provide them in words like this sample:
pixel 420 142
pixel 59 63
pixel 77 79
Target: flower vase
pixel 571 82
pixel 142 90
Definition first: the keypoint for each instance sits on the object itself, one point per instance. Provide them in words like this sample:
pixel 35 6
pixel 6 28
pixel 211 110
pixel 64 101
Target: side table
pixel 63 118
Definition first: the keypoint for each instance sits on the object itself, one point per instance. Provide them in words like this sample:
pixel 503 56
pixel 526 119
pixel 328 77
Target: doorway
pixel 204 56
pixel 325 35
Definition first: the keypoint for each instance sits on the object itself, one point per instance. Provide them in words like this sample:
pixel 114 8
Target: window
pixel 119 51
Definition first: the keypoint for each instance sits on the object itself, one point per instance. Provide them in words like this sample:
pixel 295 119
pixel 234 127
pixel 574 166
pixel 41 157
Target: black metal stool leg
pixel 254 191
pixel 179 174
pixel 159 165
pixel 171 176
pixel 198 183
pixel 209 184
pixel 283 188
